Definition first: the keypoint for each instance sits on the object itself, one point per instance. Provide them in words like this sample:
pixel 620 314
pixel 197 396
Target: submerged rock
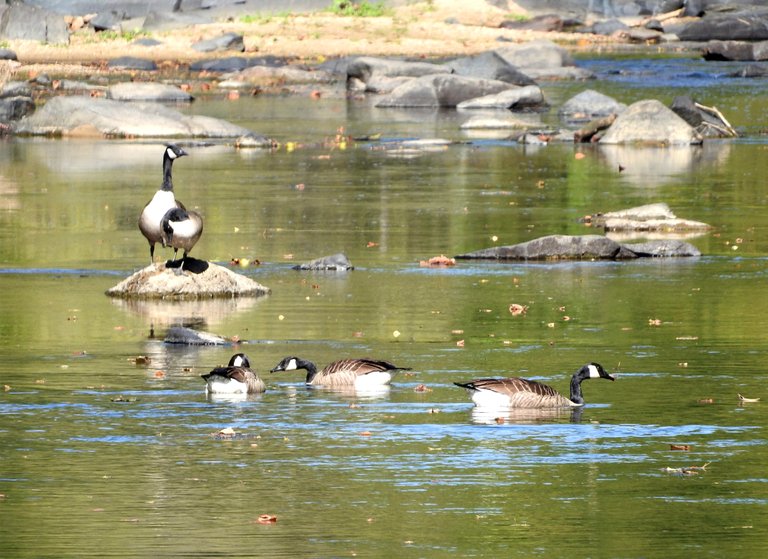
pixel 650 217
pixel 199 280
pixel 337 261
pixel 187 336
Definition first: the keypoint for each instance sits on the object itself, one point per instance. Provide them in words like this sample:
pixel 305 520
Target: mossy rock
pixel 198 280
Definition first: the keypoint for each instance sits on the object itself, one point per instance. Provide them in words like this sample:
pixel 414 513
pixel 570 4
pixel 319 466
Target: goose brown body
pixel 515 392
pixel 344 372
pixel 236 378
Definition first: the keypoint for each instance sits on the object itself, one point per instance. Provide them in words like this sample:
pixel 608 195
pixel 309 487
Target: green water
pixel 102 457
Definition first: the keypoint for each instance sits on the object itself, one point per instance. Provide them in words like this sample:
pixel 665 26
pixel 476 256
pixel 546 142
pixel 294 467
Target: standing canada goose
pixel 181 229
pixel 523 393
pixel 163 200
pixel 360 373
pixel 235 378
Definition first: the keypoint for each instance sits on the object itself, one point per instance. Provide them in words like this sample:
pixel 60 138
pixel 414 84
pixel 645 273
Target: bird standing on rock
pixel 150 220
pixel 181 229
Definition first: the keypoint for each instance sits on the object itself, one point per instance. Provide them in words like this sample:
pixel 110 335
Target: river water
pixel 102 456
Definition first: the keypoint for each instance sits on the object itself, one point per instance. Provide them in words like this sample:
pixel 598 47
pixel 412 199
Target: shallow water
pixel 104 457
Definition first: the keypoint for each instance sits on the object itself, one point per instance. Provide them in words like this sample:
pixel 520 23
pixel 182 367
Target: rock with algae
pixel 198 280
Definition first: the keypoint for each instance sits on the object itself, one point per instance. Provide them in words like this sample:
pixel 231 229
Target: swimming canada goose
pixel 163 200
pixel 181 229
pixel 360 373
pixel 523 393
pixel 235 378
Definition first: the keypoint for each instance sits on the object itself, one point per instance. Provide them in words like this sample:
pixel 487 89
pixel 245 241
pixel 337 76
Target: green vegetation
pixel 358 9
pixel 109 35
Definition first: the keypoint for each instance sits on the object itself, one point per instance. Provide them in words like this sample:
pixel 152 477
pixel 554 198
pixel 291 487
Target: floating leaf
pixel 438 261
pixel 745 400
pixel 685 447
pixel 266 519
pixel 517 309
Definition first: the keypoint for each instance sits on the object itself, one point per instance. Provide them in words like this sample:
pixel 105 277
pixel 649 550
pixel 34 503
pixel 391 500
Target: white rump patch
pixel 490 399
pixel 378 378
pixel 223 385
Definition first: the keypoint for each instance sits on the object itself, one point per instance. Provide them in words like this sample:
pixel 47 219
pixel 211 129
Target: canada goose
pixel 360 373
pixel 163 200
pixel 523 393
pixel 181 229
pixel 235 378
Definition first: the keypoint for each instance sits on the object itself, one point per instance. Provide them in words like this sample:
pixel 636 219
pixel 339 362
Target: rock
pixel 736 50
pixel 707 121
pixel 229 64
pixel 382 75
pixel 501 121
pixel 30 23
pixel 187 336
pixel 543 22
pixel 519 99
pixel 582 247
pixel 227 41
pixel 132 63
pixel 147 42
pixel 15 108
pixel 609 27
pixel 739 25
pixel 650 217
pixel 663 248
pixel 338 262
pixel 589 104
pixel 440 90
pixel 199 280
pixel 8 54
pixel 541 60
pixel 490 66
pixel 120 119
pixel 280 75
pixel 553 247
pixel 650 122
pixel 148 91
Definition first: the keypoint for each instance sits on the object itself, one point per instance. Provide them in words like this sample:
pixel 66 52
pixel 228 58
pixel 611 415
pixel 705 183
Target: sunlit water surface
pixel 101 456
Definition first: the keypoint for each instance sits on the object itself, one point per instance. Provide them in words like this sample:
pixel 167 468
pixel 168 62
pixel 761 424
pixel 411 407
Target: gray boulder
pixel 542 59
pixel 650 122
pixel 148 91
pixel 739 25
pixel 581 247
pixel 338 262
pixel 589 104
pixel 31 23
pixel 15 108
pixel 736 50
pixel 490 66
pixel 440 90
pixel 228 41
pixel 382 75
pixel 109 118
pixel 519 99
pixel 132 63
pixel 181 335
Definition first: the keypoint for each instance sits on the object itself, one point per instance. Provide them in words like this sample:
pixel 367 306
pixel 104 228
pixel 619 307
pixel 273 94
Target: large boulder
pixel 736 50
pixel 581 247
pixel 227 41
pixel 519 99
pixel 489 65
pixel 440 90
pixel 589 104
pixel 200 280
pixel 542 59
pixel 109 118
pixel 650 122
pixel 31 23
pixel 335 262
pixel 382 75
pixel 739 25
pixel 148 91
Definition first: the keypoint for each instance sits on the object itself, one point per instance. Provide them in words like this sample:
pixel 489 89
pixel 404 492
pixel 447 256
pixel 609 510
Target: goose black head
pixel 240 360
pixel 172 151
pixel 595 370
pixel 287 364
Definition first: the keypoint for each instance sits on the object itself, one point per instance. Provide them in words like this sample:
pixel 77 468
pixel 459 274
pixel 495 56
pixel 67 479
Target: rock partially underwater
pixel 198 280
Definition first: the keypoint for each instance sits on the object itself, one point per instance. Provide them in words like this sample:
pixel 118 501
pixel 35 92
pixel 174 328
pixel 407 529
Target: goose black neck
pixel 309 366
pixel 576 397
pixel 167 178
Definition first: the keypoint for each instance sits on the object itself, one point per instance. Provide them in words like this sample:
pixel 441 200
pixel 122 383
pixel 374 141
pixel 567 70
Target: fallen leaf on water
pixel 686 470
pixel 517 309
pixel 6 388
pixel 371 244
pixel 422 388
pixel 745 400
pixel 365 433
pixel 433 410
pixel 654 322
pixel 266 519
pixel 142 360
pixel 460 343
pixel 159 374
pixel 438 261
pixel 685 447
pixel 706 401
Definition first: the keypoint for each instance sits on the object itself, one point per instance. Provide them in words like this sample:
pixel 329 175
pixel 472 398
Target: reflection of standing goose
pixel 359 373
pixel 181 229
pixel 523 393
pixel 163 200
pixel 235 378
